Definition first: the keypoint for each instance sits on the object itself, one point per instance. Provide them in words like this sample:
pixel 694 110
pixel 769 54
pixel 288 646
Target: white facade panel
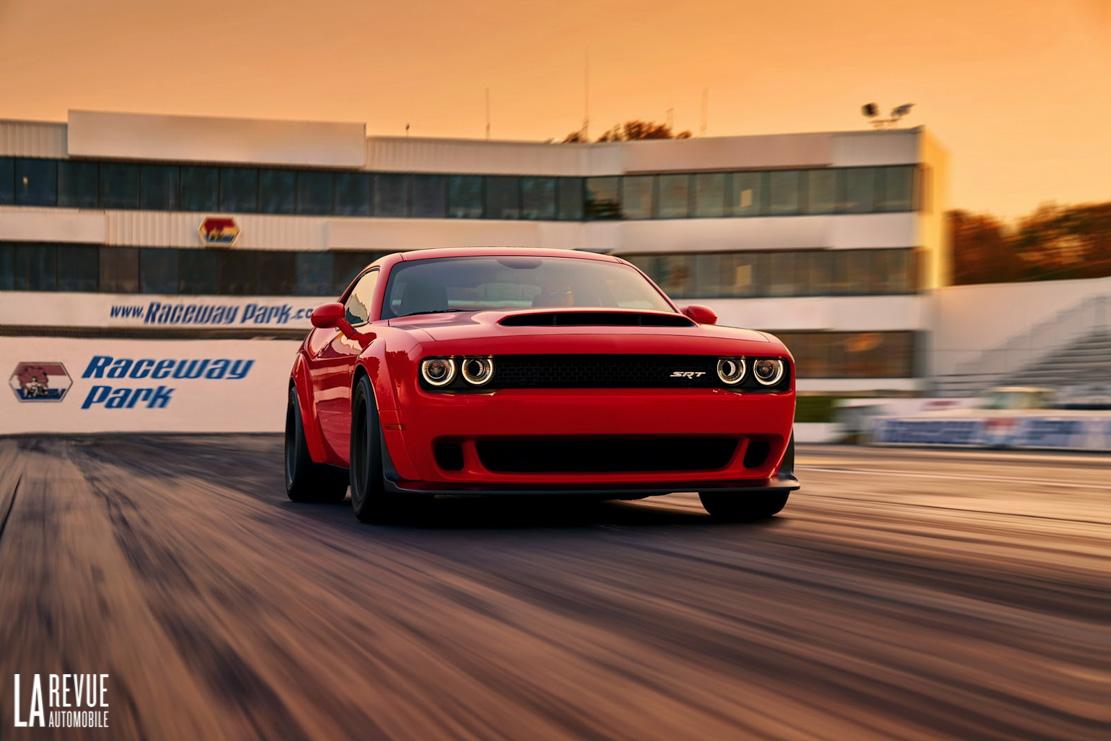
pixel 861 148
pixel 179 229
pixel 28 224
pixel 818 313
pixel 412 234
pixel 725 153
pixel 210 139
pixel 32 139
pixel 459 156
pixel 868 386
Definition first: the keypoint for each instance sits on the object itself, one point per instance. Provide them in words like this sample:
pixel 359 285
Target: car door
pixel 332 357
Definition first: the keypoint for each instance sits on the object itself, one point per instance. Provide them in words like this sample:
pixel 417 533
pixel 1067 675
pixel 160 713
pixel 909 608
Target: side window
pixel 358 303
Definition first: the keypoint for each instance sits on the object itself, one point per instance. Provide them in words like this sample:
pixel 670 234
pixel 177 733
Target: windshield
pixel 511 282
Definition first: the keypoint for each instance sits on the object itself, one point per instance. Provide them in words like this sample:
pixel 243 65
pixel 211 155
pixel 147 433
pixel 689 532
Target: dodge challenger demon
pixel 531 372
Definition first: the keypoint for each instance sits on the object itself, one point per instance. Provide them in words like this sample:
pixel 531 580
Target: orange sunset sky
pixel 1018 91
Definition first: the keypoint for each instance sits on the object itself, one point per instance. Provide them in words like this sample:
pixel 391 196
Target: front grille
pixel 604 371
pixel 606 454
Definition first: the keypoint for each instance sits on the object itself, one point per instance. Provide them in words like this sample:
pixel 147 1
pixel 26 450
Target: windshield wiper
pixel 430 311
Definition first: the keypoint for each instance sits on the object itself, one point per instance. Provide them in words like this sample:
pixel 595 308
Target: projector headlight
pixel 437 371
pixel 731 370
pixel 768 371
pixel 478 371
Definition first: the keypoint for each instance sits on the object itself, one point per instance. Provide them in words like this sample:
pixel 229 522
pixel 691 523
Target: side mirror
pixel 700 314
pixel 327 316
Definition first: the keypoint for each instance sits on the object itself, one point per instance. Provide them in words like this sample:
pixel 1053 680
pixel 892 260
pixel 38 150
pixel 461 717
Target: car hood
pixel 593 330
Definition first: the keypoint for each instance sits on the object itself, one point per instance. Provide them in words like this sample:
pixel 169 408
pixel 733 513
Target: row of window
pixel 116 185
pixel 852 354
pixel 48 267
pixel 781 273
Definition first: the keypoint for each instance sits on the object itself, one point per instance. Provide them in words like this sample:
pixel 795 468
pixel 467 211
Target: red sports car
pixel 533 372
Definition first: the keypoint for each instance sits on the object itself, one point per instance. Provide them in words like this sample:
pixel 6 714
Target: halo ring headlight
pixel 768 371
pixel 478 371
pixel 437 371
pixel 731 371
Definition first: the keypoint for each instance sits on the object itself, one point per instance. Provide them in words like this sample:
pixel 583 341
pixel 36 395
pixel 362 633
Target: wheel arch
pixel 300 382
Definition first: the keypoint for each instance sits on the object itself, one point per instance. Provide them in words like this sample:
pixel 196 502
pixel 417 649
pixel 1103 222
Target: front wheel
pixel 306 481
pixel 369 498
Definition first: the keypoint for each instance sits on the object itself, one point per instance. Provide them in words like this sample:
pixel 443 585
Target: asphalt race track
pixel 901 594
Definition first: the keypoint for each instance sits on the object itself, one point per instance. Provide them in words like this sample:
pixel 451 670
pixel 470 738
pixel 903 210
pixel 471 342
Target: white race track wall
pixel 967 320
pixel 95 385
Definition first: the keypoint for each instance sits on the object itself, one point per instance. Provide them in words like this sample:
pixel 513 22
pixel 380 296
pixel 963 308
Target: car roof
pixel 441 252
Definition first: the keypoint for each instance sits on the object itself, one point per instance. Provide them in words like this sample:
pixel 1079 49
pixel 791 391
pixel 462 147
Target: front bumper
pixel 410 437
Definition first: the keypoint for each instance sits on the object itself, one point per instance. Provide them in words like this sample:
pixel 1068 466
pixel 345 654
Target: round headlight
pixel 477 371
pixel 768 371
pixel 438 371
pixel 731 370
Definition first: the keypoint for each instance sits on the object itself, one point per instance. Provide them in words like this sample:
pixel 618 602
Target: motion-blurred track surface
pixel 901 593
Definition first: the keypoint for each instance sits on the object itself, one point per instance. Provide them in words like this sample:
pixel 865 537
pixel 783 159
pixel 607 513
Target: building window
pixel 199 188
pixel 391 195
pixel 77 184
pixel 637 196
pixel 464 197
pixel 119 269
pixel 198 272
pixel 314 192
pixel 675 197
pixel 571 199
pixel 78 268
pixel 119 185
pixel 239 272
pixel 34 267
pixel 347 265
pixel 503 197
pixel 277 191
pixel 352 194
pixel 7 180
pixel 674 274
pixel 429 196
pixel 747 194
pixel 603 198
pixel 709 195
pixel 538 198
pixel 821 191
pixel 860 190
pixel 897 193
pixel 784 192
pixel 275 272
pixel 158 189
pixel 158 270
pixel 239 189
pixel 313 274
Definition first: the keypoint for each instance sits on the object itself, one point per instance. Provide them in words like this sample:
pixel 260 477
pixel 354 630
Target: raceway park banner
pixel 42 309
pixel 1047 430
pixel 97 385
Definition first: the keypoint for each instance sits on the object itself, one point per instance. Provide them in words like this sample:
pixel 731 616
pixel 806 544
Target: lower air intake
pixel 606 454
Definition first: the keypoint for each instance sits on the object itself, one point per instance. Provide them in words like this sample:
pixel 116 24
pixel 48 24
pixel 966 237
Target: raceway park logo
pixel 200 314
pixel 39 381
pixel 60 701
pixel 157 396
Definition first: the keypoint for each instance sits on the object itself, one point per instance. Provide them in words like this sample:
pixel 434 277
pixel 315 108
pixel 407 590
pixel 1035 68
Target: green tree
pixel 631 131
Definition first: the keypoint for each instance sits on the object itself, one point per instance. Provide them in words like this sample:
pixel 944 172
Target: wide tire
pixel 306 481
pixel 369 498
pixel 741 507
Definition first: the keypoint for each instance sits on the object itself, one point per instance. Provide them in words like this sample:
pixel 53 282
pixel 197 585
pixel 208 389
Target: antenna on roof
pixel 487 113
pixel 586 97
pixel 705 111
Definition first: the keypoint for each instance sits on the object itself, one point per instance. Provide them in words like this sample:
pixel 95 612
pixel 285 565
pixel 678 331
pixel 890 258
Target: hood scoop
pixel 595 319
